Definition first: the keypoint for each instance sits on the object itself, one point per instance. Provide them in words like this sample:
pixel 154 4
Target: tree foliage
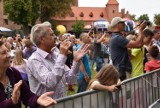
pixel 157 19
pixel 78 27
pixel 133 17
pixel 144 17
pixel 25 12
pixel 52 8
pixel 18 11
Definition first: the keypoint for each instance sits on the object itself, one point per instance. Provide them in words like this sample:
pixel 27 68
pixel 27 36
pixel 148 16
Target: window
pixel 91 14
pixel 113 11
pixel 81 14
pixel 102 15
pixel 5 21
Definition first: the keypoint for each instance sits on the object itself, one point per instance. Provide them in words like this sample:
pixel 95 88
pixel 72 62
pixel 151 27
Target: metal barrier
pixel 138 92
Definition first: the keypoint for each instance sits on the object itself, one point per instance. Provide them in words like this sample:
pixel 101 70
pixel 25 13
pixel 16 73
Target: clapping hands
pixel 79 54
pixel 44 100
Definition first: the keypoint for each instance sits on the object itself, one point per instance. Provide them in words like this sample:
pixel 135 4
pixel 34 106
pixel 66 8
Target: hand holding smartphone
pixel 119 86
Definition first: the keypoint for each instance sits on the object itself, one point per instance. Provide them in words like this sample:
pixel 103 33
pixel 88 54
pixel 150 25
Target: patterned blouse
pixel 8 91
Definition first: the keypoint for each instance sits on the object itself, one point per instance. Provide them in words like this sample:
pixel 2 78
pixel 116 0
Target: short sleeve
pixel 147 67
pixel 135 51
pixel 122 41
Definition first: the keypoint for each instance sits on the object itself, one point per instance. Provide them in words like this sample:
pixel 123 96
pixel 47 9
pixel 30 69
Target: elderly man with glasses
pixel 46 69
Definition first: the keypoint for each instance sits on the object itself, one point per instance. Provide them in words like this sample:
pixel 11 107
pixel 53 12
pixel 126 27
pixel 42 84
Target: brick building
pixel 4 20
pixel 87 14
pixel 91 14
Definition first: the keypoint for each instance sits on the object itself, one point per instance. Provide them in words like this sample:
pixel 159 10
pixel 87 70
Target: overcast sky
pixel 137 7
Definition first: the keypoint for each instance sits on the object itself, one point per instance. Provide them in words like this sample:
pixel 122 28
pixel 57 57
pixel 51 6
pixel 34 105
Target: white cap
pixel 116 20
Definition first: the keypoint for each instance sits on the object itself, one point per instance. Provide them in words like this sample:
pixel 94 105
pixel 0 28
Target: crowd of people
pixel 42 63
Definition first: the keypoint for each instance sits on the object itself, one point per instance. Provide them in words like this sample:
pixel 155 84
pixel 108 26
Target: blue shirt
pixel 119 52
pixel 85 61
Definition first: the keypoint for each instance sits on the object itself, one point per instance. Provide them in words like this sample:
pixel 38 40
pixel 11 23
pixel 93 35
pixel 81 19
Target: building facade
pixel 87 14
pixel 4 22
pixel 92 14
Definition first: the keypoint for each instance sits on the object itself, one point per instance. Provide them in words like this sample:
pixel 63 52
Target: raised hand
pixel 79 54
pixel 16 92
pixel 143 26
pixel 45 99
pixel 64 47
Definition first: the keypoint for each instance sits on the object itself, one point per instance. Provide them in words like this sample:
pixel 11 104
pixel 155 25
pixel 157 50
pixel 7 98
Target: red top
pixel 152 65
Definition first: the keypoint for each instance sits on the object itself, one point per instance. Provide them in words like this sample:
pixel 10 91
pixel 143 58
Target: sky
pixel 137 7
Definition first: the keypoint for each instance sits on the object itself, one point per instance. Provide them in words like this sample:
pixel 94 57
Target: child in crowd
pixel 154 63
pixel 106 79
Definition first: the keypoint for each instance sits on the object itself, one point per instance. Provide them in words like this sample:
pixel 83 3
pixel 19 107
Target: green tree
pixel 52 8
pixel 143 17
pixel 146 18
pixel 157 19
pixel 78 27
pixel 19 11
pixel 133 17
pixel 25 12
pixel 35 11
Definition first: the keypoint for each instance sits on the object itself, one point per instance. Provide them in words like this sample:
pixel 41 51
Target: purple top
pixel 28 53
pixel 27 97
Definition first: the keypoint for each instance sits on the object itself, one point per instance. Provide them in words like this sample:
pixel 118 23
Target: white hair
pixel 39 30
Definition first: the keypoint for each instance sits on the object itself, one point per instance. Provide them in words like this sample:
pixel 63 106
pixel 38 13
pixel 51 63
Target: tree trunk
pixel 26 30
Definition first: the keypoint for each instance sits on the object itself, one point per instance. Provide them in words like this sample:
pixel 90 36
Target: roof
pixel 85 13
pixel 111 2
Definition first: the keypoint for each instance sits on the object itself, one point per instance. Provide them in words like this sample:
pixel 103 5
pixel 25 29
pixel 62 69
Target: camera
pixel 118 86
pixel 148 22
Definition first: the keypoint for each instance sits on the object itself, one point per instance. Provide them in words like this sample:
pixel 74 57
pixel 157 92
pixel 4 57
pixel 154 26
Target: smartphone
pixel 119 86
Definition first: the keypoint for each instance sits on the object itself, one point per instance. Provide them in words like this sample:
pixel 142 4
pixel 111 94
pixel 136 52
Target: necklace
pixel 5 82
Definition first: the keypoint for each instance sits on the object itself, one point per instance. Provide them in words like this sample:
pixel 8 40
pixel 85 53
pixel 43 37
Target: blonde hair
pixel 108 75
pixel 18 59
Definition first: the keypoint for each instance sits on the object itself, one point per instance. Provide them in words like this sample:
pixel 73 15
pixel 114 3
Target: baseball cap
pixel 116 20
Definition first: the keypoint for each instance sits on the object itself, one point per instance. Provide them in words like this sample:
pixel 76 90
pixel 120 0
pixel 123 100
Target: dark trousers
pixel 123 75
pixel 82 85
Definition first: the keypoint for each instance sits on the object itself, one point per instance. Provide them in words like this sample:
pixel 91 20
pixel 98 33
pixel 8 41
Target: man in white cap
pixel 119 45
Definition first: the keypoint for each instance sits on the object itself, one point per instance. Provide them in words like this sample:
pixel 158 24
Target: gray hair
pixel 39 30
pixel 82 35
pixel 47 24
pixel 9 38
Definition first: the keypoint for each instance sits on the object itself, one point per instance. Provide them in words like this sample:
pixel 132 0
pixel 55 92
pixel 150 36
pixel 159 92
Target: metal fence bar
pixel 146 92
pixel 139 95
pixel 138 92
pixel 126 96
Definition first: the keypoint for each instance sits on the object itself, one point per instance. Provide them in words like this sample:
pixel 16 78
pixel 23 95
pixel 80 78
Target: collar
pixel 43 53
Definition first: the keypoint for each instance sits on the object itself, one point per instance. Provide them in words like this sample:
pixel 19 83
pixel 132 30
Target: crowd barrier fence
pixel 138 92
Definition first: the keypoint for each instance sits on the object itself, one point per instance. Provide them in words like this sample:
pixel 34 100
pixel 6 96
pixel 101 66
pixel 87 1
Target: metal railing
pixel 138 92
